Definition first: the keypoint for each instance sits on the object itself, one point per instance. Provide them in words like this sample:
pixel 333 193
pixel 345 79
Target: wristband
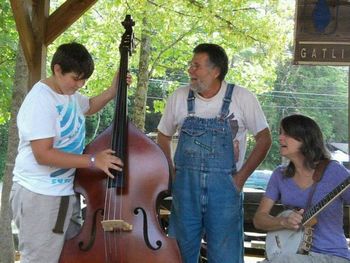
pixel 92 160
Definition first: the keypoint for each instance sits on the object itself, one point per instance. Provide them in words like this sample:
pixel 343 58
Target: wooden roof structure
pixel 37 28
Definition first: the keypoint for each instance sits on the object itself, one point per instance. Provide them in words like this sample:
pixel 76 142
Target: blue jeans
pixel 205 199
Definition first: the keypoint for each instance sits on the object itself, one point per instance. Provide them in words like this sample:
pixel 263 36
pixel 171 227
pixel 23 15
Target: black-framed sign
pixel 322 32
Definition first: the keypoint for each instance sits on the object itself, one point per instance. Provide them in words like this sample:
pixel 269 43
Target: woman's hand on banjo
pixel 293 220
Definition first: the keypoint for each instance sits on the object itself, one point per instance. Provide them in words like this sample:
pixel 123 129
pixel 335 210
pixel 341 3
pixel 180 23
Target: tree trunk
pixel 19 92
pixel 139 113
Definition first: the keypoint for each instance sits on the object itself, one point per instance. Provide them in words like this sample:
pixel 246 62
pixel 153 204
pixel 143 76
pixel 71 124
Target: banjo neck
pixel 317 208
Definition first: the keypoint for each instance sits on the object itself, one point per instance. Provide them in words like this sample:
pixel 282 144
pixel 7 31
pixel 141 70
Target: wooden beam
pixel 24 27
pixel 349 117
pixel 40 13
pixel 64 16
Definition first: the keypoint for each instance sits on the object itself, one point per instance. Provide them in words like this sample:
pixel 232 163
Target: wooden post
pixel 349 118
pixel 31 17
pixel 40 13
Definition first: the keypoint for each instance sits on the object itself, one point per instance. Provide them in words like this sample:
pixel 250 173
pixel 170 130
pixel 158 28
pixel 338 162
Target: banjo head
pixel 283 241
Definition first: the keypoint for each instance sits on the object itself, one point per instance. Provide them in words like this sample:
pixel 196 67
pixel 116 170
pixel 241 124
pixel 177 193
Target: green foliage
pixel 320 92
pixel 8 46
pixel 97 123
pixel 256 34
pixel 159 105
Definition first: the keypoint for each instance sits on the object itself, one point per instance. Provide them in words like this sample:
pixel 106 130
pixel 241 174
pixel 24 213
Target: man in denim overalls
pixel 212 118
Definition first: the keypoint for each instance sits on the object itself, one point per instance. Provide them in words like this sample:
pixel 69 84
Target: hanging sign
pixel 322 32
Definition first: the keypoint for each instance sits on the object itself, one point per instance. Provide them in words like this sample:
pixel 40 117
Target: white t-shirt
pixel 47 114
pixel 245 114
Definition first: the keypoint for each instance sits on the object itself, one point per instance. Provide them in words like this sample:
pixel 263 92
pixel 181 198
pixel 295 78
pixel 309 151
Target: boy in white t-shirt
pixel 51 126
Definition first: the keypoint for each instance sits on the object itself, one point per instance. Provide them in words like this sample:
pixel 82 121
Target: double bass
pixel 122 224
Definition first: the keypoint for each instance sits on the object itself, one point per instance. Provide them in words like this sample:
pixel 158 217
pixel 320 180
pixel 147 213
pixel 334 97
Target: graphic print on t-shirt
pixel 72 138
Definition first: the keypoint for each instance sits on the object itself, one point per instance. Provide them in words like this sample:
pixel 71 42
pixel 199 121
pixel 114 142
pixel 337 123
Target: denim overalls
pixel 205 200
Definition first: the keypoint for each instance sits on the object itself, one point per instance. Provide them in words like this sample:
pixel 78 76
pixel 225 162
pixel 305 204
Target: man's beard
pixel 199 87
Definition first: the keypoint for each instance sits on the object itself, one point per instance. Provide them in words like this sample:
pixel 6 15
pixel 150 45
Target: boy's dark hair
pixel 217 56
pixel 305 130
pixel 73 57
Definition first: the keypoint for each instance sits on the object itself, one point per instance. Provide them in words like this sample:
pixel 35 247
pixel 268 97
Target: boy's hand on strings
pixel 106 160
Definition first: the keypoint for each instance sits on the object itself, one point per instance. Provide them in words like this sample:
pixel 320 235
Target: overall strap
pixel 190 103
pixel 227 101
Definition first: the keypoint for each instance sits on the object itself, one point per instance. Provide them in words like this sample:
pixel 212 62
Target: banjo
pixel 287 241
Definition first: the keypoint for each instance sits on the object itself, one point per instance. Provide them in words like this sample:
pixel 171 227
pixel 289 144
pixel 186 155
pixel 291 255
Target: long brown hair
pixel 305 130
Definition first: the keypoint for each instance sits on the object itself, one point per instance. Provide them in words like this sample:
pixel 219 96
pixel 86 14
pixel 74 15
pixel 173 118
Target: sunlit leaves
pixel 8 46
